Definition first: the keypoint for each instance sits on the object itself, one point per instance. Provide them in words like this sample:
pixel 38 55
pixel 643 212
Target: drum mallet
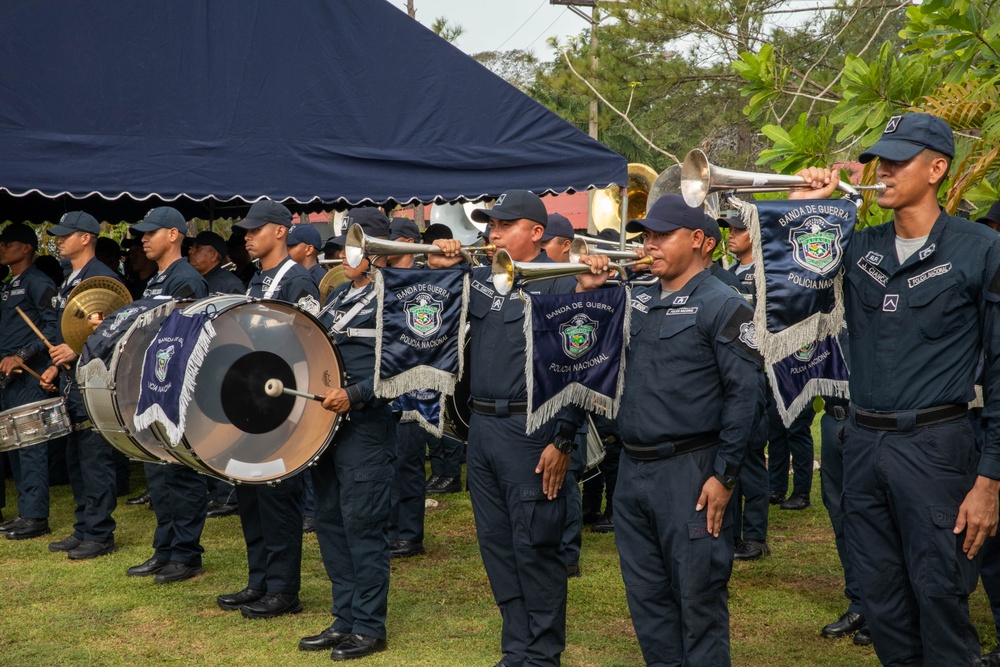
pixel 275 388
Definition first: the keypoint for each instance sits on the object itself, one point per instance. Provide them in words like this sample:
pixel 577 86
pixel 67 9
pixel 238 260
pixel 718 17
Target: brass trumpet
pixel 699 179
pixel 507 272
pixel 584 246
pixel 358 246
pixel 331 262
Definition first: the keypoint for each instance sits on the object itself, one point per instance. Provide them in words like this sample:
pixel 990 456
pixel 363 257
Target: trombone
pixel 507 272
pixel 699 179
pixel 358 246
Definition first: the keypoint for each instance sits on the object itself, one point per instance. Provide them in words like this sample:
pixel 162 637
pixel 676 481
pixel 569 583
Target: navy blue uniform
pixel 318 272
pixel 178 493
pixel 795 441
pixel 90 461
pixel 694 391
pixel 353 477
pixel 916 334
pixel 728 278
pixel 520 530
pixel 271 516
pixel 31 291
pixel 221 281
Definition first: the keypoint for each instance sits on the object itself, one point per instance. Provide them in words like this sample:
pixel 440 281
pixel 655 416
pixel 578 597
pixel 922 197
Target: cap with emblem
pixel 403 228
pixel 18 232
pixel 514 205
pixel 214 241
pixel 905 136
pixel 266 211
pixel 76 221
pixel 668 213
pixel 162 217
pixel 305 234
pixel 559 225
pixel 372 220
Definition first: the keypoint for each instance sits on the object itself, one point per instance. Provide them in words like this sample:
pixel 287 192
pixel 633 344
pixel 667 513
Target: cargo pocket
pixel 544 519
pixel 709 560
pixel 367 502
pixel 947 571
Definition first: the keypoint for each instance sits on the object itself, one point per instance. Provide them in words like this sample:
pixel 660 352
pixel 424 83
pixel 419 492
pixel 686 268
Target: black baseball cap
pixel 559 225
pixel 76 221
pixel 305 233
pixel 266 211
pixel 214 241
pixel 162 217
pixel 668 213
pixel 905 136
pixel 514 205
pixel 18 232
pixel 711 228
pixel 992 215
pixel 403 228
pixel 372 220
pixel 437 231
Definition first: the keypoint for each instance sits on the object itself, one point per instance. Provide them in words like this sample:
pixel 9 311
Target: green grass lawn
pixel 54 611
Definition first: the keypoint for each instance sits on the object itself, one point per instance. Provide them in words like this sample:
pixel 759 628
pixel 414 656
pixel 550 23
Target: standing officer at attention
pixel 921 298
pixel 32 291
pixel 89 458
pixel 694 390
pixel 271 516
pixel 515 479
pixel 353 476
pixel 178 493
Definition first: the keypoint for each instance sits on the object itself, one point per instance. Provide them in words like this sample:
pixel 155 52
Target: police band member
pixel 403 230
pixel 694 391
pixel 921 297
pixel 516 480
pixel 32 291
pixel 304 246
pixel 271 516
pixel 352 477
pixel 558 237
pixel 208 252
pixel 178 493
pixel 90 461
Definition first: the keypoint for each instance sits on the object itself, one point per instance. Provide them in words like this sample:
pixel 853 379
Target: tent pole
pixel 621 237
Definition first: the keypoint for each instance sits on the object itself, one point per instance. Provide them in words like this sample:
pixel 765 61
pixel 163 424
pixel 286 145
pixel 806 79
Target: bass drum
pixel 111 399
pixel 234 430
pixel 457 407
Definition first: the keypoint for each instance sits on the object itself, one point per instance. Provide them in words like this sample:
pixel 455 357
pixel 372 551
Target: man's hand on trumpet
pixel 598 275
pixel 451 256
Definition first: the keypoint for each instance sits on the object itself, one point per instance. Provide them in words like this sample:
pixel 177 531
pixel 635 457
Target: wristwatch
pixel 563 444
pixel 727 481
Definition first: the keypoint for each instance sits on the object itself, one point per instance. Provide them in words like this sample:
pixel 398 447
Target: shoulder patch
pixel 741 331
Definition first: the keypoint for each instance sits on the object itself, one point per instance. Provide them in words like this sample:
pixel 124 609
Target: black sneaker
pixel 446 485
pixel 25 529
pixel 67 544
pixel 433 482
pixel 751 550
pixel 91 549
pixel 796 501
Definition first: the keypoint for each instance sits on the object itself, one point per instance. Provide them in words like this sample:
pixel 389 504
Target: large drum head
pixel 234 429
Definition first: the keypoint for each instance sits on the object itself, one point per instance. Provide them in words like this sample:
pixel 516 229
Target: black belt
pixel 500 408
pixel 896 421
pixel 667 449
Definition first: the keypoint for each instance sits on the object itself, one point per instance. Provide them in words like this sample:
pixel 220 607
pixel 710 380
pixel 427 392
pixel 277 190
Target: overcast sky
pixel 492 25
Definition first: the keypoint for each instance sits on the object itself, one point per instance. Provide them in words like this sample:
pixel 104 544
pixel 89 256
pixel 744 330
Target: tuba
pixel 606 206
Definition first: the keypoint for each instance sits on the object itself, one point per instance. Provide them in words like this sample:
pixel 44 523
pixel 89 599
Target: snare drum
pixel 33 423
pixel 110 399
pixel 233 429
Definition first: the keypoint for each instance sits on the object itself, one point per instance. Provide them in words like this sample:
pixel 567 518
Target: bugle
pixel 507 272
pixel 331 262
pixel 582 246
pixel 699 178
pixel 358 246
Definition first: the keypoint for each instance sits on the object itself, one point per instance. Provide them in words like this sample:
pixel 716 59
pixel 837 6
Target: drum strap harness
pixel 273 287
pixel 339 325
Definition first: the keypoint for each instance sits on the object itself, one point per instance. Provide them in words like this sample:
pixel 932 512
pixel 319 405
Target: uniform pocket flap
pixel 529 493
pixel 944 517
pixel 514 314
pixel 673 325
pixel 373 473
pixel 698 530
pixel 924 295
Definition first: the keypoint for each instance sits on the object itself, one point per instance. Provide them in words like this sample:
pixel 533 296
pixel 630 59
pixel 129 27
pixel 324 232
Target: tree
pixel 516 66
pixel 447 31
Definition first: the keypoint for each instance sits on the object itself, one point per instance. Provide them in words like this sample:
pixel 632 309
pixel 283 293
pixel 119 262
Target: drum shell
pixel 32 423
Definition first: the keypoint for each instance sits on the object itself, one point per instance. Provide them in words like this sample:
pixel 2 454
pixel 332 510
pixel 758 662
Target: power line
pixel 544 2
pixel 542 34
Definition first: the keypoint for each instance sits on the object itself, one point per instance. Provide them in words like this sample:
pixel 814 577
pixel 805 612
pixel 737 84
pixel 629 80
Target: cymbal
pixel 104 283
pixel 332 279
pixel 97 299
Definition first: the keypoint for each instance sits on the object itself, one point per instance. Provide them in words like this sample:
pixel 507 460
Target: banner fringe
pixel 815 387
pixel 436 430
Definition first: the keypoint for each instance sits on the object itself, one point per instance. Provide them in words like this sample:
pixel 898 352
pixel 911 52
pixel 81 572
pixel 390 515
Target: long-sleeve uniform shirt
pixel 178 280
pixel 221 281
pixel 287 281
pixel 692 368
pixel 917 329
pixel 33 292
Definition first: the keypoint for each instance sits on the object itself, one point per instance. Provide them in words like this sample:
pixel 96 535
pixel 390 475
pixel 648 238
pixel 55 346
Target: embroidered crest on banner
pixel 121 316
pixel 939 270
pixel 891 303
pixel 873 271
pixel 748 334
pixel 928 251
pixel 578 335
pixel 423 314
pixel 816 244
pixel 806 353
pixel 162 359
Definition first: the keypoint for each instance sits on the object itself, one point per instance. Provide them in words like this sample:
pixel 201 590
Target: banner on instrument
pixel 575 352
pixel 101 347
pixel 424 407
pixel 798 248
pixel 169 372
pixel 816 369
pixel 421 329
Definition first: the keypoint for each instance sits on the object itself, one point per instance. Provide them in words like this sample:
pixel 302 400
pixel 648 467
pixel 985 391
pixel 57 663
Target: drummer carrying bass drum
pixel 353 478
pixel 271 516
pixel 89 459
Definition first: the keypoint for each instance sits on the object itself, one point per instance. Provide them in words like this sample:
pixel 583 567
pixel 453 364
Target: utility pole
pixel 418 208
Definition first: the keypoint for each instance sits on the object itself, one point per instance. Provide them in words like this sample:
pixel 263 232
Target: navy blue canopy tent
pixel 115 107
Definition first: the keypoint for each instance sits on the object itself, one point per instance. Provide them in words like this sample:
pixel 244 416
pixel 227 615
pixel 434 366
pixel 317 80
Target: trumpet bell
pixel 696 178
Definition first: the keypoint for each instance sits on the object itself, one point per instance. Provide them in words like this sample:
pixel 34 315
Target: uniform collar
pixel 888 245
pixel 689 287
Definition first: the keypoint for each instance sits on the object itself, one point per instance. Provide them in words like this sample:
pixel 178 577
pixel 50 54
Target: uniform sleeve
pixel 743 385
pixel 42 293
pixel 362 394
pixel 989 320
